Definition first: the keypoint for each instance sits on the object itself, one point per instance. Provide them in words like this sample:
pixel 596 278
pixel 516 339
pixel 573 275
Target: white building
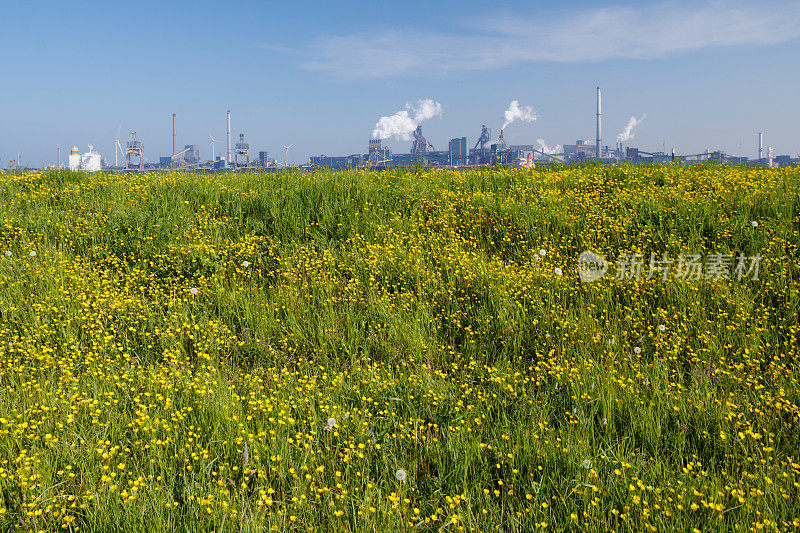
pixel 88 162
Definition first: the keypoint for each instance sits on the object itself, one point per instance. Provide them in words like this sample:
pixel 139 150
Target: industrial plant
pixel 486 152
pixel 405 125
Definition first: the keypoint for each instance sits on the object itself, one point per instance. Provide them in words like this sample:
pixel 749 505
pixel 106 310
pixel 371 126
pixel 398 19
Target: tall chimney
pixel 760 145
pixel 599 130
pixel 228 160
pixel 174 146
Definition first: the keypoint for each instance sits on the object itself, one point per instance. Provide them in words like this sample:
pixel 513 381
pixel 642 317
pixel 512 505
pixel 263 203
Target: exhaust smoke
pixel 402 124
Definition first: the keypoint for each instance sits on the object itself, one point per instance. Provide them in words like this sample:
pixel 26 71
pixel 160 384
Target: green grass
pixel 415 309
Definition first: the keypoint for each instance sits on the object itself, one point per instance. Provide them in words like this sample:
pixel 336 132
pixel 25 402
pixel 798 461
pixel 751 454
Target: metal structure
pixel 420 146
pixel 242 149
pixel 598 146
pixel 760 145
pixel 177 155
pixel 135 149
pixel 174 133
pixel 228 156
pixel 485 137
pixel 501 142
pixel 379 155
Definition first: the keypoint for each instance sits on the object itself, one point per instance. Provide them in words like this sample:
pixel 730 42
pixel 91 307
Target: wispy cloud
pixel 589 35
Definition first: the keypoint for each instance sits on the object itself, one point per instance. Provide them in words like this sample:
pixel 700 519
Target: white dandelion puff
pixel 33 253
pixel 754 223
pixel 245 264
pixel 637 350
pixel 662 327
pixel 193 290
pixel 400 475
pixel 587 464
pixel 331 422
pixel 8 253
pixel 542 252
pixel 558 271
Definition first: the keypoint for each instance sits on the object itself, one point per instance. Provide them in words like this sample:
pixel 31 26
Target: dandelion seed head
pixel 754 223
pixel 542 252
pixel 662 327
pixel 245 264
pixel 8 253
pixel 637 350
pixel 400 475
pixel 331 422
pixel 558 271
pixel 587 464
pixel 33 253
pixel 193 290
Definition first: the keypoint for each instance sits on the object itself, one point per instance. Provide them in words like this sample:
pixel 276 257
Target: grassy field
pixel 405 350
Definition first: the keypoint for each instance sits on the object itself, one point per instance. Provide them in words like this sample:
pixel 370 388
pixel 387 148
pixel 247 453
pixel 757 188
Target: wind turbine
pixel 286 154
pixel 117 146
pixel 213 142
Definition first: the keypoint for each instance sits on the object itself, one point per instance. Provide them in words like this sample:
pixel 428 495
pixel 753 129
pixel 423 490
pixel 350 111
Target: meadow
pixel 409 350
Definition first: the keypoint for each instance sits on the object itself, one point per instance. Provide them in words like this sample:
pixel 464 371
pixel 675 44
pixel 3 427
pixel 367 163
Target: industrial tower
pixel 135 149
pixel 485 137
pixel 379 155
pixel 419 148
pixel 599 132
pixel 228 153
pixel 242 149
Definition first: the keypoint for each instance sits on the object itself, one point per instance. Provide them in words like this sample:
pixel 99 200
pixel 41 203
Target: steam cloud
pixel 627 134
pixel 402 124
pixel 546 149
pixel 515 112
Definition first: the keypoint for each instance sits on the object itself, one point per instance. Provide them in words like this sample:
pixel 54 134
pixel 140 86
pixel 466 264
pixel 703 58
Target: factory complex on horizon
pixel 379 155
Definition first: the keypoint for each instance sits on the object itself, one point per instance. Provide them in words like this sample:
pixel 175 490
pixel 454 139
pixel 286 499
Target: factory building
pixel 458 151
pixel 192 154
pixel 88 162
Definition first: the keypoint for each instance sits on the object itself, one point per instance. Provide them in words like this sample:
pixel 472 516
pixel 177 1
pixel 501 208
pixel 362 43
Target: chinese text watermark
pixel 714 266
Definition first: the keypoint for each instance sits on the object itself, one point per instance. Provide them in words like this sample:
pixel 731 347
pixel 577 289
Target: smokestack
pixel 760 145
pixel 599 131
pixel 174 146
pixel 228 160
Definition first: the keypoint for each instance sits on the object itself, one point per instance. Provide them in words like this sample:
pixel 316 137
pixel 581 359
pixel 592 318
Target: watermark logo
pixel 591 266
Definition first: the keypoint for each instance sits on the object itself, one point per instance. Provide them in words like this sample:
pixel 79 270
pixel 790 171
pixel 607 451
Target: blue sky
pixel 320 75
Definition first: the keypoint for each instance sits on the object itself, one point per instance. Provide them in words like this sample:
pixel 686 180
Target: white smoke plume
pixel 515 112
pixel 627 134
pixel 402 124
pixel 546 149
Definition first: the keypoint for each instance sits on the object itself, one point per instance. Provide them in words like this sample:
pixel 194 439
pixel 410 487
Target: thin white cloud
pixel 588 35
